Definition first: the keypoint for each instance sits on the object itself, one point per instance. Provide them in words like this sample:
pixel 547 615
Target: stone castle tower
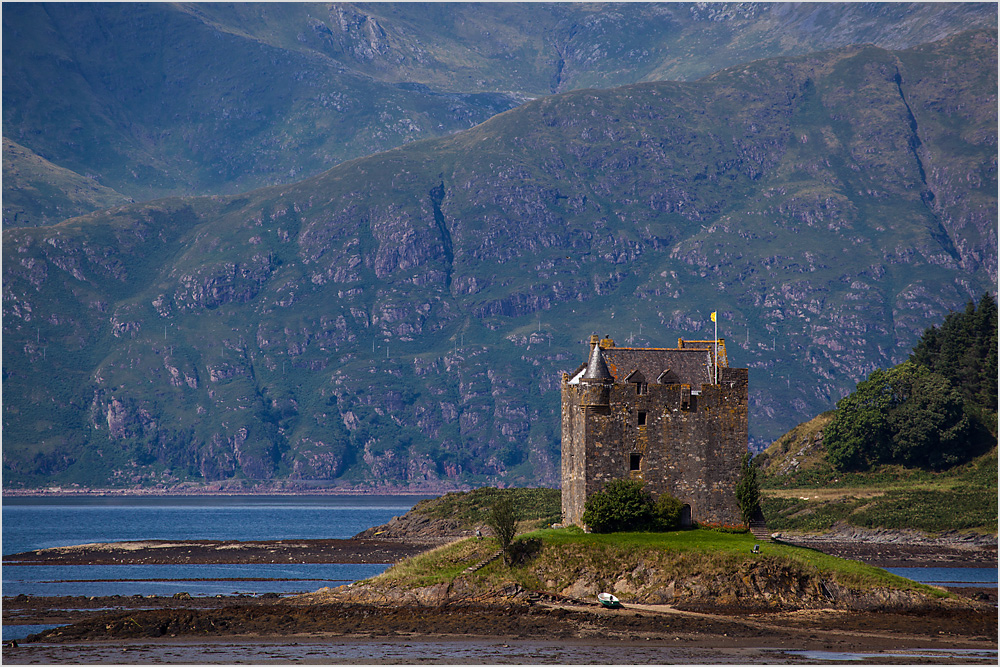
pixel 675 418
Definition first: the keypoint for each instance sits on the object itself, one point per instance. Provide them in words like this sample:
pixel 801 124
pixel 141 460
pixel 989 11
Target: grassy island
pixel 688 567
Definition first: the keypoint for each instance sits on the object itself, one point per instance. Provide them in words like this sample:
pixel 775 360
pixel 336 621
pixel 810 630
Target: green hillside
pixel 963 498
pixel 911 447
pixel 161 99
pixel 37 192
pixel 403 319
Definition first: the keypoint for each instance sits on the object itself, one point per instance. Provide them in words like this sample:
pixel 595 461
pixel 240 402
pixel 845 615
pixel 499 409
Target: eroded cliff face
pixel 403 320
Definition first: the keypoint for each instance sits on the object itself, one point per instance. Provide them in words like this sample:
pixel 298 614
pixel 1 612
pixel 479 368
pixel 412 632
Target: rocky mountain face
pixel 158 99
pixel 402 320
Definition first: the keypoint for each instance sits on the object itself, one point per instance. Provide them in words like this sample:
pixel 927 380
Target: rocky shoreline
pixel 249 614
pixel 402 538
pixel 900 549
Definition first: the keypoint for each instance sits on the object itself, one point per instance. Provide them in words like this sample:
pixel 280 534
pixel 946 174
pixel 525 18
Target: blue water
pixel 21 631
pixel 949 576
pixel 39 523
pixel 213 579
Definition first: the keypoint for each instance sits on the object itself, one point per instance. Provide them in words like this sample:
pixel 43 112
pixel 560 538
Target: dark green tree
pixel 748 489
pixel 929 425
pixel 502 519
pixel 964 351
pixel 907 415
pixel 859 432
pixel 622 505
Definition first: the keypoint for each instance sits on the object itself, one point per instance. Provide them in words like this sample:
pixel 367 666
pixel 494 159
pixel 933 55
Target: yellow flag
pixel 713 315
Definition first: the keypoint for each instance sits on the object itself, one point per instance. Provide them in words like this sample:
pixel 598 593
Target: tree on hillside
pixel 502 519
pixel 907 415
pixel 933 411
pixel 964 351
pixel 929 425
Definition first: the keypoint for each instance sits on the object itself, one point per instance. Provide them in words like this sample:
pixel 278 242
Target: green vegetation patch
pixel 439 565
pixel 930 510
pixel 539 507
pixel 893 497
pixel 700 551
pixel 800 514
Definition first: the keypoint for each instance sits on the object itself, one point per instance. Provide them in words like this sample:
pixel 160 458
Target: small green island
pixel 696 568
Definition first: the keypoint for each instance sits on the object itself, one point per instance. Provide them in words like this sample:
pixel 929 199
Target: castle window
pixel 634 460
pixel 641 418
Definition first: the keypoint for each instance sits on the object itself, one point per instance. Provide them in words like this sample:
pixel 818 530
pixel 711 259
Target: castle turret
pixel 596 381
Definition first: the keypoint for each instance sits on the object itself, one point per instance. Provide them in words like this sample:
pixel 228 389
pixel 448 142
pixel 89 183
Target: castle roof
pixel 693 366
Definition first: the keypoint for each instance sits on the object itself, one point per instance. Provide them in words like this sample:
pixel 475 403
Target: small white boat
pixel 608 600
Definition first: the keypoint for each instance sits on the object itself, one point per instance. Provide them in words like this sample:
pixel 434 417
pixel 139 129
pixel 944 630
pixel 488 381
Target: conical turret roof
pixel 597 369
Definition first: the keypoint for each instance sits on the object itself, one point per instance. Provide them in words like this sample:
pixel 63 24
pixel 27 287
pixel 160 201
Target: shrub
pixel 907 415
pixel 667 512
pixel 622 505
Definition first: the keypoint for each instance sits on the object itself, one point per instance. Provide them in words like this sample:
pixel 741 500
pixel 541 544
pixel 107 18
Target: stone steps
pixel 482 564
pixel 760 531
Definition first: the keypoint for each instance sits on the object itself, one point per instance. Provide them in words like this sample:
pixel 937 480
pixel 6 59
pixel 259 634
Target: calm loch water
pixel 39 523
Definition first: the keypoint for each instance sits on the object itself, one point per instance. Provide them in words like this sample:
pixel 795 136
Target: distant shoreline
pixel 340 491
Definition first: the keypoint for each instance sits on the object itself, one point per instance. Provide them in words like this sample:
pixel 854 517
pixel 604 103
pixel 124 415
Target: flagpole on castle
pixel 716 321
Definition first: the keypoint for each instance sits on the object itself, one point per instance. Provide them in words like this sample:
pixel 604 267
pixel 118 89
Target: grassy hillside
pixel 37 192
pixel 895 424
pixel 404 319
pixel 964 498
pixel 535 507
pixel 133 95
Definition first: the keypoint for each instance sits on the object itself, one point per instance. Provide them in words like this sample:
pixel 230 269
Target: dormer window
pixel 639 380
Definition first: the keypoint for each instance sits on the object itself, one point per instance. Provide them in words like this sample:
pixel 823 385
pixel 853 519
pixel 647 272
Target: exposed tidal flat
pixel 429 608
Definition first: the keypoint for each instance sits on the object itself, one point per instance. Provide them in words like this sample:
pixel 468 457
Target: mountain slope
pixel 179 99
pixel 37 192
pixel 403 319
